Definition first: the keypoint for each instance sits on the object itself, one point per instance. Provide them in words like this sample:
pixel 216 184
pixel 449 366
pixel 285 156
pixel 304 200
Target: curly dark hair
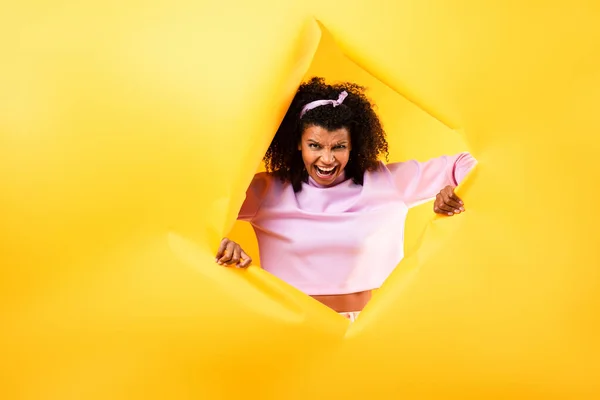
pixel 356 113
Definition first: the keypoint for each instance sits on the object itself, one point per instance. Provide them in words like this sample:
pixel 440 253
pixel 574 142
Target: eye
pixel 313 145
pixel 341 146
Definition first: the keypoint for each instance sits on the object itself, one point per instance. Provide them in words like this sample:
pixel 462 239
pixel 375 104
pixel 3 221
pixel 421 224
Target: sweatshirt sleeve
pixel 255 195
pixel 422 181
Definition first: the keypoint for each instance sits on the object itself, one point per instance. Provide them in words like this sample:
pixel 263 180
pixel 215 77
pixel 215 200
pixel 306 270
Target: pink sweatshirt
pixel 344 238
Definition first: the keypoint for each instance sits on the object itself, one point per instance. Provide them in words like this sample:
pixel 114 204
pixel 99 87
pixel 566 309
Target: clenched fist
pixel 447 202
pixel 230 253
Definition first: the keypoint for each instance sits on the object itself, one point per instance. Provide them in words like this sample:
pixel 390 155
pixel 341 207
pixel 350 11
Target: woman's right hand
pixel 230 253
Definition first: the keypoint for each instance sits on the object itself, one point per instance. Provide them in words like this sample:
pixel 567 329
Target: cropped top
pixel 344 238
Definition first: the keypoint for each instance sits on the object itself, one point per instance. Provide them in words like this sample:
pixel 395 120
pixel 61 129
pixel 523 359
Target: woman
pixel 328 215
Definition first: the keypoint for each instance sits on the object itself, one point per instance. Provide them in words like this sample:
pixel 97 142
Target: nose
pixel 327 156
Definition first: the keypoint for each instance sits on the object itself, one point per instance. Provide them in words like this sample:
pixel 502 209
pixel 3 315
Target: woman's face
pixel 325 153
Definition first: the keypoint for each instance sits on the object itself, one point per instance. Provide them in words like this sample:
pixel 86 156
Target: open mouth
pixel 325 173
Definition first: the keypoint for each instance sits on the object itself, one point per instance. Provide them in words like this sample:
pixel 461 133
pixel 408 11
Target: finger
pixel 452 199
pixel 456 207
pixel 449 191
pixel 221 249
pixel 227 253
pixel 442 208
pixel 245 260
pixel 235 256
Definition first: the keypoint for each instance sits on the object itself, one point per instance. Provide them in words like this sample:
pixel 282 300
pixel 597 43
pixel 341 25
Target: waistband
pixel 351 316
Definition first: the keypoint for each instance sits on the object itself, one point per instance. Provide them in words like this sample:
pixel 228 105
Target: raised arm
pixel 229 252
pixel 422 181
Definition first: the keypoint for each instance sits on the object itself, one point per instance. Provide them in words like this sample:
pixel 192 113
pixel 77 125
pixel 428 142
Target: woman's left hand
pixel 447 202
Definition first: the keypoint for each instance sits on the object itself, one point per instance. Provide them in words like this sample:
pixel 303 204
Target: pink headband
pixel 319 103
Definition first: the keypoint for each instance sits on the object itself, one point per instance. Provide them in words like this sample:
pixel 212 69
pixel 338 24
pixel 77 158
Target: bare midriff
pixel 345 302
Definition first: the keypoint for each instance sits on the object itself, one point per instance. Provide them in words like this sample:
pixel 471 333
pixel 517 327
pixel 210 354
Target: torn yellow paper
pixel 129 130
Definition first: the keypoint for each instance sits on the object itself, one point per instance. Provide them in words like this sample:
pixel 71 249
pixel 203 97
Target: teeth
pixel 326 169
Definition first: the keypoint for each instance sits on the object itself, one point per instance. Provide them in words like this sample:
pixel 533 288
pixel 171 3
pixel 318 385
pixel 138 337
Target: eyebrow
pixel 337 144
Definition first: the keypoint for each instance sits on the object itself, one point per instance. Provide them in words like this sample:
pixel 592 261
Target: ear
pixel 300 146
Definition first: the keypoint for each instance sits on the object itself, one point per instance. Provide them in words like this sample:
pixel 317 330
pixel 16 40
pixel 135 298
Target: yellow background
pixel 129 131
